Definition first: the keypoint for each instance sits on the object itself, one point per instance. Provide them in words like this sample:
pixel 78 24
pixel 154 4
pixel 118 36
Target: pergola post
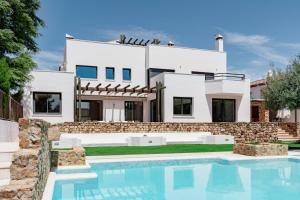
pixel 75 99
pixel 159 99
pixel 79 99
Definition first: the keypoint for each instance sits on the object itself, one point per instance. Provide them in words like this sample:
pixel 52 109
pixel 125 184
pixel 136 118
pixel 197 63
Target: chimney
pixel 69 36
pixel 219 43
pixel 170 44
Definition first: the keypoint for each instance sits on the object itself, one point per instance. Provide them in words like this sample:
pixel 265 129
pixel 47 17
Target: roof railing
pixel 229 76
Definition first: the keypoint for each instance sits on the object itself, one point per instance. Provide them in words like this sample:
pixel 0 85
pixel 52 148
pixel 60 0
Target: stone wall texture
pixel 243 132
pixel 261 149
pixel 75 156
pixel 31 164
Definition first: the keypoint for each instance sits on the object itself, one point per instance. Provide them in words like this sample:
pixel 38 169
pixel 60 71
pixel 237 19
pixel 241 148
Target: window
pixel 86 71
pixel 223 110
pixel 110 73
pixel 134 111
pixel 46 102
pixel 182 106
pixel 126 74
pixel 91 110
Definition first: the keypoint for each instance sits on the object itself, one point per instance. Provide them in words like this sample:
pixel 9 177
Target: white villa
pixel 137 80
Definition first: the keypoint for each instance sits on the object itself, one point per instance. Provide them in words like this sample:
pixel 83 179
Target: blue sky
pixel 257 33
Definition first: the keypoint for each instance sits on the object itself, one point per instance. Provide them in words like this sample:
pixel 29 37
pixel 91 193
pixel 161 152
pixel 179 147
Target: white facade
pixel 51 82
pixel 182 71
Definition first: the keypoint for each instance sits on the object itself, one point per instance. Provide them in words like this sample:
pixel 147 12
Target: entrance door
pixel 223 110
pixel 254 113
pixel 153 116
pixel 134 111
pixel 91 110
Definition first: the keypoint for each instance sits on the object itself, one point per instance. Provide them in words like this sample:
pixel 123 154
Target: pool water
pixel 205 179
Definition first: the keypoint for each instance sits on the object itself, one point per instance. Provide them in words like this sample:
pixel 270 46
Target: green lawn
pixel 176 148
pixel 292 145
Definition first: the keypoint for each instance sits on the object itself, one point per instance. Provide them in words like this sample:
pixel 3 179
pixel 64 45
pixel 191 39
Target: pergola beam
pixel 97 87
pixel 117 89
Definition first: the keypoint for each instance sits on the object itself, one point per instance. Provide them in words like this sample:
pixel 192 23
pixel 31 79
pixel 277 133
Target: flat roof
pixel 149 45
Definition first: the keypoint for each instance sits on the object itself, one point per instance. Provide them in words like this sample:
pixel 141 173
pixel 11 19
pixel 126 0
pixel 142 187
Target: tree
pixel 283 88
pixel 5 75
pixel 18 30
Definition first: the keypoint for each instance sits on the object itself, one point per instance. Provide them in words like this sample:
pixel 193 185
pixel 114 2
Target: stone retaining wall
pixel 68 157
pixel 261 149
pixel 243 132
pixel 31 164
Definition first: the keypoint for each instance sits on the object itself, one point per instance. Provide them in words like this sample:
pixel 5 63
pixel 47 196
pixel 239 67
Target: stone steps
pixel 7 149
pixel 284 136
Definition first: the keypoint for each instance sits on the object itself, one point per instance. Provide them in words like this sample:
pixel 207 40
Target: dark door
pixel 91 110
pixel 223 110
pixel 153 116
pixel 134 111
pixel 254 113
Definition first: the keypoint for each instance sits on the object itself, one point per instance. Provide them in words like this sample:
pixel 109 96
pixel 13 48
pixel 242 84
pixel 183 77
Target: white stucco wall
pixel 51 81
pixel 9 131
pixel 187 85
pixel 114 110
pixel 102 55
pixel 185 60
pixel 183 85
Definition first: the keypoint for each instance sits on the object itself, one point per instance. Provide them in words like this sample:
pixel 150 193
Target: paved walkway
pixel 144 157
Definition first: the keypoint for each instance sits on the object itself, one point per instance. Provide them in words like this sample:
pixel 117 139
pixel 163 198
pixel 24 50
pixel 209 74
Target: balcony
pixel 227 83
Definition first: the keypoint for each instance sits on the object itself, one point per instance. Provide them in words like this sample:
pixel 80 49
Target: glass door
pixel 223 110
pixel 134 111
pixel 153 117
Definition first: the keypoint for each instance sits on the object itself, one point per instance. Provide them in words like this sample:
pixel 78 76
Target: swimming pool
pixel 207 179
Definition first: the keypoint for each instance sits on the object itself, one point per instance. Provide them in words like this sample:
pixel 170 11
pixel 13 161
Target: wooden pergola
pixel 83 90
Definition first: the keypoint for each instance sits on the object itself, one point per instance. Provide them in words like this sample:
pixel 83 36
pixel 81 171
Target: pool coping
pixel 229 156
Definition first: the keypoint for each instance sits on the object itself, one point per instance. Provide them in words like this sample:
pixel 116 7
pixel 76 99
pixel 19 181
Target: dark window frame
pixel 182 113
pixel 114 75
pixel 130 74
pixel 87 66
pixel 47 112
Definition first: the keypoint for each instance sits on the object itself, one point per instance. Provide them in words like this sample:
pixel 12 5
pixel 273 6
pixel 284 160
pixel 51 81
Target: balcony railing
pixel 10 109
pixel 228 76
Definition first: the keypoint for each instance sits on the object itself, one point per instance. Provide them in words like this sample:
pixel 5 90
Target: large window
pixel 182 106
pixel 91 110
pixel 126 74
pixel 86 71
pixel 110 73
pixel 223 110
pixel 46 102
pixel 134 111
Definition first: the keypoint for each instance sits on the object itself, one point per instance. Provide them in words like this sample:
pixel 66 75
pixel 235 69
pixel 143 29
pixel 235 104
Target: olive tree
pixel 283 88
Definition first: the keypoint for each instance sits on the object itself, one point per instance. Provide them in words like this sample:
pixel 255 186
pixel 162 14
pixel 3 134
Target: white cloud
pixel 295 46
pixel 238 38
pixel 250 72
pixel 259 45
pixel 257 62
pixel 49 59
pixel 136 32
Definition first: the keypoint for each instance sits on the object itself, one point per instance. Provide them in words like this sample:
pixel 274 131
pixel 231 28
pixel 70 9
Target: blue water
pixel 205 179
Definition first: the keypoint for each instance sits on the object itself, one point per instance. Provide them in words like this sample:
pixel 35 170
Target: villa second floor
pixel 127 63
